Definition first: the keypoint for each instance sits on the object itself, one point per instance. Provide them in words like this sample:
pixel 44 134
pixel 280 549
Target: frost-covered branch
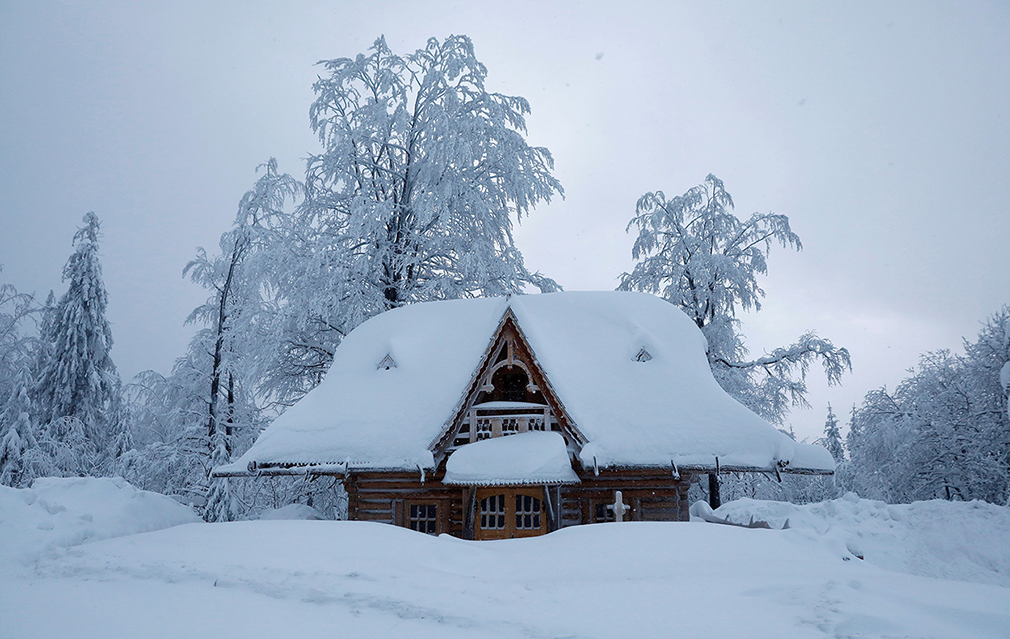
pixel 696 253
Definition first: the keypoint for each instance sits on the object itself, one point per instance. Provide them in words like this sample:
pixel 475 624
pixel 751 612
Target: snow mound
pixel 963 541
pixel 526 458
pixel 61 512
pixel 299 512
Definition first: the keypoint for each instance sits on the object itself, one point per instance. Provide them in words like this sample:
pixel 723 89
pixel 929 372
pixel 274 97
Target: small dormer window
pixel 643 355
pixel 386 363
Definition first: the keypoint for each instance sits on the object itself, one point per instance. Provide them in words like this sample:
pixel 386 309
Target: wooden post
pixel 469 512
pixel 552 523
pixel 713 491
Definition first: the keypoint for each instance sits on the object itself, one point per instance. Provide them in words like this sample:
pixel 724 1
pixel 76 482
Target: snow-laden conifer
pixel 832 439
pixel 25 451
pixel 693 251
pixel 78 392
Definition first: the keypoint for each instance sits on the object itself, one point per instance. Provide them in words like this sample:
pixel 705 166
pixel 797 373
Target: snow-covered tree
pixel 16 344
pixel 78 387
pixel 833 437
pixel 18 444
pixel 412 198
pixel 212 403
pixel 697 254
pixel 944 432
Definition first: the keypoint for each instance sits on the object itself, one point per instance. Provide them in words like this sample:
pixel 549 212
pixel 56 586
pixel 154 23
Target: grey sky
pixel 881 130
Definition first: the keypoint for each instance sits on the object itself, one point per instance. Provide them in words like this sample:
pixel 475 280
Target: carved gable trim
pixel 519 354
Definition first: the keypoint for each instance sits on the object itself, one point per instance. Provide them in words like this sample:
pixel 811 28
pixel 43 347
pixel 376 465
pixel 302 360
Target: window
pixel 527 513
pixel 601 513
pixel 511 385
pixel 492 512
pixel 424 518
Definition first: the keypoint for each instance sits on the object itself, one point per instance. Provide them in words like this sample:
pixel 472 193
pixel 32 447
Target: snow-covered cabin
pixel 513 416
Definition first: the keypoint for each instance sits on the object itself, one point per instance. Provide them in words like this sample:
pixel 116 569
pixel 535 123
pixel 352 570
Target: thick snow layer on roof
pixel 666 410
pixel 372 417
pixel 811 457
pixel 527 458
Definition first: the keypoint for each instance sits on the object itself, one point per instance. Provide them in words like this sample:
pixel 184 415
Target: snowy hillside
pixel 357 579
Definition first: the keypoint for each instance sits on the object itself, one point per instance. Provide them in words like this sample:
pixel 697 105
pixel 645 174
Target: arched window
pixel 510 384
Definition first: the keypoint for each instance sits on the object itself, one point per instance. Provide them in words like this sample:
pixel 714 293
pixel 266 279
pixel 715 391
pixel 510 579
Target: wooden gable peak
pixel 509 379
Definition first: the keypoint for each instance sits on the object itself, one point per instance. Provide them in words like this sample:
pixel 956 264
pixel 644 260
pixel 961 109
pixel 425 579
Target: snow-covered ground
pixel 355 579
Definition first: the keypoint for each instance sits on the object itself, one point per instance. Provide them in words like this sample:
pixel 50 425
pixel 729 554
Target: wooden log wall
pixel 652 495
pixel 384 496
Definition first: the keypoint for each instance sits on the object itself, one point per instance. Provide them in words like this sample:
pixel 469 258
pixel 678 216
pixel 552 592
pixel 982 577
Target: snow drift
pixel 275 578
pixel 964 541
pixel 62 512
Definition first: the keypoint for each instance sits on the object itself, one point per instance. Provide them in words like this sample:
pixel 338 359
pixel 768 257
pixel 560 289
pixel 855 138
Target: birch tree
pixel 693 251
pixel 422 173
pixel 210 407
pixel 944 431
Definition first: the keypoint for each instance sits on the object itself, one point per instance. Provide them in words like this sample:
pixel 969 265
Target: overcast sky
pixel 881 129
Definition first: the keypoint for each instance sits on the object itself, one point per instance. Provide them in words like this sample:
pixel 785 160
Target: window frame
pixel 408 520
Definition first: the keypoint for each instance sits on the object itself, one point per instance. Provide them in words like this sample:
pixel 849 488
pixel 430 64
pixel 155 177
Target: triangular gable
pixel 508 348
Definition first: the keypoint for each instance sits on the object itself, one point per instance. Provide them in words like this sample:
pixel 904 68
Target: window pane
pixel 536 521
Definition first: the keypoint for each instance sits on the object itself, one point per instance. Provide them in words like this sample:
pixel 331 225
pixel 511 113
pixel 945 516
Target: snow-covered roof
pixel 527 458
pixel 664 410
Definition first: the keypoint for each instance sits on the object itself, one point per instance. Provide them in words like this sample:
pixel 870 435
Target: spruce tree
pixel 833 437
pixel 17 437
pixel 78 391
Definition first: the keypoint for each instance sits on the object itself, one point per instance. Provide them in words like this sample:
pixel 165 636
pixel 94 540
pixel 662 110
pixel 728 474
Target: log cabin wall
pixel 652 495
pixel 386 496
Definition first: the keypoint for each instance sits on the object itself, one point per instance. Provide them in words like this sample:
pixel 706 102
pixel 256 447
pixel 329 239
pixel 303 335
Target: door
pixel 504 513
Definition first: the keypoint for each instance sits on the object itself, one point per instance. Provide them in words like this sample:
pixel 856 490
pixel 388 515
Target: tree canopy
pixel 698 255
